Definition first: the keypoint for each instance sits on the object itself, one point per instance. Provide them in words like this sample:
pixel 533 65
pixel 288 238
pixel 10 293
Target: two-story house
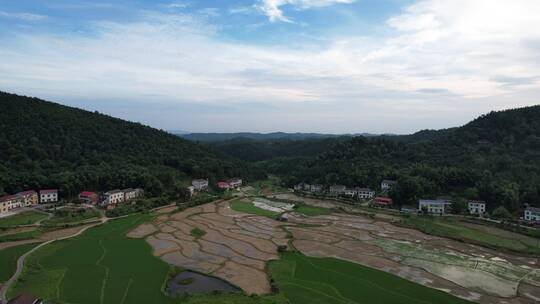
pixel 477 207
pixel 130 194
pixel 200 184
pixel 364 193
pixel 387 184
pixel 29 198
pixel 113 197
pixel 337 189
pixel 9 202
pixel 235 182
pixel 48 196
pixel 437 207
pixel 532 214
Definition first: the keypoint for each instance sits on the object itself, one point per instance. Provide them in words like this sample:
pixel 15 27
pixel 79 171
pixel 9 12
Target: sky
pixel 327 66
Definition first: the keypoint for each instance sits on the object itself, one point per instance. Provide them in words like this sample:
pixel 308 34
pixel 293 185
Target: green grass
pixel 312 211
pixel 8 260
pixel 269 185
pixel 452 228
pixel 104 266
pixel 71 217
pixel 309 280
pixel 240 206
pixel 27 235
pixel 24 218
pixel 197 232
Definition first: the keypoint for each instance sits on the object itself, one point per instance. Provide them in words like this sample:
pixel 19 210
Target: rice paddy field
pixel 8 260
pixel 334 258
pixel 103 266
pixel 307 280
pixel 478 234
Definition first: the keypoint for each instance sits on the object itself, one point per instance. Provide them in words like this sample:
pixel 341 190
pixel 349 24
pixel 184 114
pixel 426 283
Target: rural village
pixel 244 227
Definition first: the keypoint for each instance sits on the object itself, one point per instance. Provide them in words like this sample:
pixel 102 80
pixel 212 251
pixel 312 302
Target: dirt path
pixel 20 262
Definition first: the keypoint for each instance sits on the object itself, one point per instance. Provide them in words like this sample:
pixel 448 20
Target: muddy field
pixel 471 272
pixel 236 246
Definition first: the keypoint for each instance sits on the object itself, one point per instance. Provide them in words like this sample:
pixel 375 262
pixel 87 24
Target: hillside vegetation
pixel 496 158
pixel 44 144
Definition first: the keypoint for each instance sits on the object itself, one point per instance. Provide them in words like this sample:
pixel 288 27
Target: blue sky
pixel 336 66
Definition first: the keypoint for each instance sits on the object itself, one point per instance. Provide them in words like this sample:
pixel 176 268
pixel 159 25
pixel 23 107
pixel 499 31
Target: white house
pixel 48 196
pixel 200 184
pixel 477 207
pixel 532 214
pixel 130 194
pixel 364 193
pixel 113 197
pixel 9 202
pixel 349 192
pixel 438 206
pixel 235 182
pixel 316 188
pixel 337 189
pixel 387 184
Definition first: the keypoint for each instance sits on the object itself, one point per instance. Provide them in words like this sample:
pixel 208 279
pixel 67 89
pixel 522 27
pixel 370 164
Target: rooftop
pixel 533 209
pixel 28 192
pixel 87 193
pixel 8 197
pixel 114 191
pixel 436 201
pixel 48 191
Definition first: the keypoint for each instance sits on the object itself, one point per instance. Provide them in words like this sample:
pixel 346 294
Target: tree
pixel 459 206
pixel 501 213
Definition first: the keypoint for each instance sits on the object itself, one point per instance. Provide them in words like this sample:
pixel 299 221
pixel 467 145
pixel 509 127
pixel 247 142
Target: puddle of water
pixel 196 283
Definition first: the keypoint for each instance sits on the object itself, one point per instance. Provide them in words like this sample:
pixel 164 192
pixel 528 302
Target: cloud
pixel 23 16
pixel 272 8
pixel 442 62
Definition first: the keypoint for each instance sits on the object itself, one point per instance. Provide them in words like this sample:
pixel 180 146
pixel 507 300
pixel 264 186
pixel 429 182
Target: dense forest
pixel 495 158
pixel 44 144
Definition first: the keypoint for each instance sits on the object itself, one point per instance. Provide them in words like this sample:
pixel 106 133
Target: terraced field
pixel 235 246
pixel 468 271
pixel 306 280
pixel 335 258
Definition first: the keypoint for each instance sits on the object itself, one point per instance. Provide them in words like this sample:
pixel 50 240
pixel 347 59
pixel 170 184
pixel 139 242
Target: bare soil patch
pixel 234 247
pixel 468 271
pixel 237 246
pixel 142 231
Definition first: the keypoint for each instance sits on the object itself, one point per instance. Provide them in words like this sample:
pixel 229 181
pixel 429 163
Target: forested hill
pixel 496 158
pixel 44 144
pixel 219 137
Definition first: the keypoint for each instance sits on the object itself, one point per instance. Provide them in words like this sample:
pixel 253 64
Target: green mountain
pixel 44 144
pixel 495 157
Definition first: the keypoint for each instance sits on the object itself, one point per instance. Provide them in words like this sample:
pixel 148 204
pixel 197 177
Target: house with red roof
pixel 382 202
pixel 48 196
pixel 223 185
pixel 89 197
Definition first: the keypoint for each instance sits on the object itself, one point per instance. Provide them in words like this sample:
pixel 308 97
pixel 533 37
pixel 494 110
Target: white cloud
pixel 446 61
pixel 272 8
pixel 23 16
